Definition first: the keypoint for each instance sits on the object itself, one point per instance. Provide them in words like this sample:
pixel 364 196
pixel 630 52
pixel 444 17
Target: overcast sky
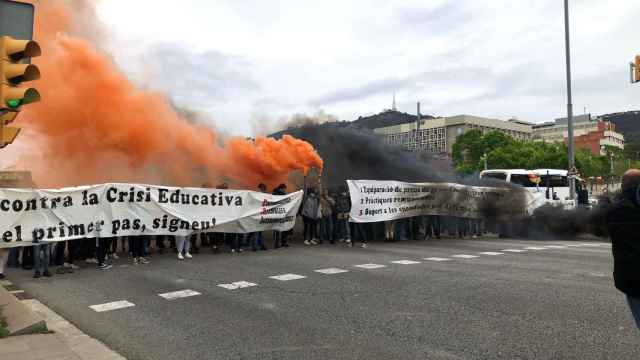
pixel 243 61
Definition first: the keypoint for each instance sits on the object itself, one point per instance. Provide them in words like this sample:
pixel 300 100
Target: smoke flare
pixel 94 125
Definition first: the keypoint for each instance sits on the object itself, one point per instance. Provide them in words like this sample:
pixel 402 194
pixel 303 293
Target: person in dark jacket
pixel 280 237
pixel 343 207
pixel 623 222
pixel 311 212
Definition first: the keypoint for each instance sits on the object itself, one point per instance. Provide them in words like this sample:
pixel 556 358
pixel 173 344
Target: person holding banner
pixel 4 256
pixel 327 203
pixel 257 238
pixel 184 244
pixel 137 251
pixel 311 212
pixel 343 207
pixel 280 237
pixel 41 257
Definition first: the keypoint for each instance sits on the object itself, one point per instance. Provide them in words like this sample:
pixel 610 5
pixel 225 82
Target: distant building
pixel 588 133
pixel 438 135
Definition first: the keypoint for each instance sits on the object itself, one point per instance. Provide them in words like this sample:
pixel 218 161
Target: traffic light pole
pixel 572 184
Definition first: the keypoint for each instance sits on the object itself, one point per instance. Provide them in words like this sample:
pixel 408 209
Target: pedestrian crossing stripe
pixel 237 285
pixel 179 294
pixel 287 277
pixel 114 305
pixel 436 259
pixel 370 266
pixel 331 271
pixel 406 262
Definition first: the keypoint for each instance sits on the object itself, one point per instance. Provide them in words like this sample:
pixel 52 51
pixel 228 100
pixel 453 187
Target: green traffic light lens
pixel 13 103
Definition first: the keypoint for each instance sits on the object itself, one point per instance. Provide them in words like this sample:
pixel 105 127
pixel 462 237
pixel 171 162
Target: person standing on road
pixel 104 243
pixel 343 207
pixel 137 244
pixel 327 203
pixel 623 222
pixel 4 256
pixel 41 258
pixel 184 244
pixel 280 237
pixel 257 238
pixel 310 214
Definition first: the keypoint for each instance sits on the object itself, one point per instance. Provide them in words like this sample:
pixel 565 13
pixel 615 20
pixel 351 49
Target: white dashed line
pixel 437 259
pixel 514 250
pixel 179 294
pixel 464 256
pixel 555 247
pixel 370 266
pixel 491 253
pixel 590 245
pixel 237 285
pixel 406 262
pixel 535 248
pixel 116 305
pixel 573 245
pixel 5 283
pixel 287 277
pixel 331 271
pixel 16 292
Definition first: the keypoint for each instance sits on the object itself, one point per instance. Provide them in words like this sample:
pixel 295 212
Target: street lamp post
pixel 572 184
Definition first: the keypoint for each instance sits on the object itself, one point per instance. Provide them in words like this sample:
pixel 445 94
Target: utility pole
pixel 572 184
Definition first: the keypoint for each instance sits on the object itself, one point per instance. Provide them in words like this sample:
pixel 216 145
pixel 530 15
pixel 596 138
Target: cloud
pixel 497 58
pixel 197 80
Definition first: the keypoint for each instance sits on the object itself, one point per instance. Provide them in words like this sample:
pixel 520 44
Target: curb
pixel 81 344
pixel 21 320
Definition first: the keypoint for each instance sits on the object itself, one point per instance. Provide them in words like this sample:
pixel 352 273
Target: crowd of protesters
pixel 325 218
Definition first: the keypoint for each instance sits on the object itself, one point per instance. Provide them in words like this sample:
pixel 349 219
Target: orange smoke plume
pixel 93 125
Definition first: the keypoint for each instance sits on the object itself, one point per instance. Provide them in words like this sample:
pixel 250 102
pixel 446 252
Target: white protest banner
pixel 109 210
pixel 373 201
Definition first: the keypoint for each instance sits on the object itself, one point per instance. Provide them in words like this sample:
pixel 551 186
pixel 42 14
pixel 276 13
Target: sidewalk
pixel 64 342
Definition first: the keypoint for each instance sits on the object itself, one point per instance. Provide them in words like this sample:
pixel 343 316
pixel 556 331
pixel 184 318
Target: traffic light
pixel 637 68
pixel 14 70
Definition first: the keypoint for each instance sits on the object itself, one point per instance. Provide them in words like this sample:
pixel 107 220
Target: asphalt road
pixel 551 303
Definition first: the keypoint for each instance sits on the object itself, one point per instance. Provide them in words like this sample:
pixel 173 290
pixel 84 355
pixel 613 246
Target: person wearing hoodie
pixel 343 207
pixel 280 237
pixel 310 214
pixel 327 204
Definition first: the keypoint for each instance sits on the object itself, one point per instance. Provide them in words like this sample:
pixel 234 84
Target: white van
pixel 550 184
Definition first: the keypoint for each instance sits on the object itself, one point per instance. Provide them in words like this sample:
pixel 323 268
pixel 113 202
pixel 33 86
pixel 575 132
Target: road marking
pixel 406 262
pixel 514 250
pixel 237 285
pixel 573 245
pixel 590 245
pixel 179 294
pixel 331 271
pixel 370 266
pixel 16 292
pixel 287 277
pixel 534 248
pixel 491 253
pixel 464 256
pixel 437 259
pixel 555 247
pixel 115 305
pixel 5 283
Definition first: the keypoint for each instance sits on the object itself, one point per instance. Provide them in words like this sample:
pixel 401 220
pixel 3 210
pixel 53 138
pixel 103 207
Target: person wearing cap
pixel 623 222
